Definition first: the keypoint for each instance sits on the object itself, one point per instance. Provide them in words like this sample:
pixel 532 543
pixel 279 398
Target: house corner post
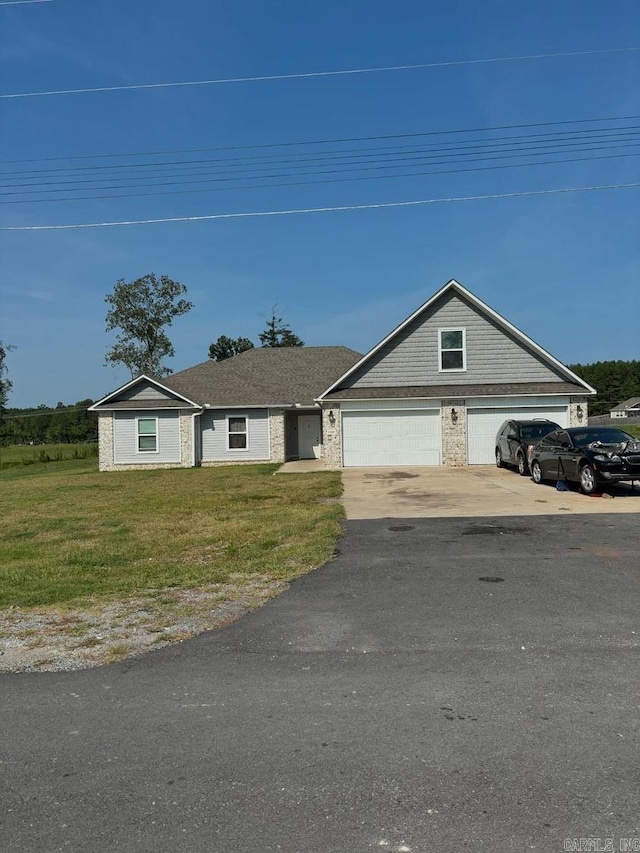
pixel 186 439
pixel 454 432
pixel 578 412
pixel 105 441
pixel 276 435
pixel 331 436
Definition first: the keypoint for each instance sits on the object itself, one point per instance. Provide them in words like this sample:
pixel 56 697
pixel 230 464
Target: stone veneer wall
pixel 276 435
pixel 105 441
pixel 454 435
pixel 186 438
pixel 331 450
pixel 574 420
pixel 105 445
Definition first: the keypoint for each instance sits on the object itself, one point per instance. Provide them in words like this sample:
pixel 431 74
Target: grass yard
pixel 69 533
pixel 632 430
pixel 17 455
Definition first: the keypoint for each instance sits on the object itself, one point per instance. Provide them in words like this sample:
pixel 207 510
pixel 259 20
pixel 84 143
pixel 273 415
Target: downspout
pixel 193 436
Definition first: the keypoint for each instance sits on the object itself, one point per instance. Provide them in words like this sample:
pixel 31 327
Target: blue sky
pixel 563 268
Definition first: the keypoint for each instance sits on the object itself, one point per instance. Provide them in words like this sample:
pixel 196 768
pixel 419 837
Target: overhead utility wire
pixel 557 138
pixel 330 141
pixel 205 167
pixel 306 183
pixel 387 163
pixel 309 74
pixel 300 211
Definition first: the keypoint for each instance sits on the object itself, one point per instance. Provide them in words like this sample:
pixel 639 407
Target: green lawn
pixel 632 430
pixel 16 455
pixel 69 532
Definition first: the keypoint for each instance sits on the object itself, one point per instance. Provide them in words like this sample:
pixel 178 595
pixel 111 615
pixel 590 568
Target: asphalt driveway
pixel 401 698
pixel 475 491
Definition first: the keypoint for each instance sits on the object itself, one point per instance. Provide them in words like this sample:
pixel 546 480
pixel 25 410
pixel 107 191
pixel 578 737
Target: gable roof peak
pixel 142 377
pixel 454 285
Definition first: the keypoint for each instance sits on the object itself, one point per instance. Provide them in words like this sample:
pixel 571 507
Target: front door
pixel 309 436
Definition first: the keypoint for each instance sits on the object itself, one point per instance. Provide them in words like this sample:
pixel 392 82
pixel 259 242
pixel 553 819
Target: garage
pixel 376 435
pixel 485 417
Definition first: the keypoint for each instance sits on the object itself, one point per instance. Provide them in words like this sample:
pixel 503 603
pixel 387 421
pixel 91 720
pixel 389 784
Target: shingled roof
pixel 265 376
pixel 632 403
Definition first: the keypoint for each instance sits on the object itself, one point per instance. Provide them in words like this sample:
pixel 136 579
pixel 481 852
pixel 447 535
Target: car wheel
pixel 588 482
pixel 536 472
pixel 522 465
pixel 499 461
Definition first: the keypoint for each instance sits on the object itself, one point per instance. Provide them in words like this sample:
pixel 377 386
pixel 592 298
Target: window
pixel 563 440
pixel 147 435
pixel 452 349
pixel 237 432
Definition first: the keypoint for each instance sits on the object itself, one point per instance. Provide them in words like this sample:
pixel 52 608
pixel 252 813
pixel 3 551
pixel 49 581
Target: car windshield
pixel 536 430
pixel 605 435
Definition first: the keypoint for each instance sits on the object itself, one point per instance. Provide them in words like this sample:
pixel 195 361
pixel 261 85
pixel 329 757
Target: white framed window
pixel 452 350
pixel 237 432
pixel 147 433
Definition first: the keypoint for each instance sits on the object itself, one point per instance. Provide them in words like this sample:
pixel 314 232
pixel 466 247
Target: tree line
pixel 64 424
pixel 615 382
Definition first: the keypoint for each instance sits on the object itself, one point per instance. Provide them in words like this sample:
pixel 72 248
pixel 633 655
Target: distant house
pixel 434 391
pixel 629 409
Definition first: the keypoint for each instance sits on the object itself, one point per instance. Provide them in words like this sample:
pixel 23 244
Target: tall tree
pixel 141 310
pixel 226 347
pixel 278 334
pixel 5 383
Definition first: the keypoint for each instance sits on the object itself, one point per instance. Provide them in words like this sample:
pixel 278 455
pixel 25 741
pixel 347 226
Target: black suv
pixel 514 439
pixel 591 456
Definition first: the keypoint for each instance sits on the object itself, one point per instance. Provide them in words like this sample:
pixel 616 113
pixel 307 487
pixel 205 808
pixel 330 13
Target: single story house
pixel 434 391
pixel 258 406
pixel 628 409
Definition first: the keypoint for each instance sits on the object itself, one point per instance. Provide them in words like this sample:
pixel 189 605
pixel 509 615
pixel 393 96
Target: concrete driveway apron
pixel 442 685
pixel 473 491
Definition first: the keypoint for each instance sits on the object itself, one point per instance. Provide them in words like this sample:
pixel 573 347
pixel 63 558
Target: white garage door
pixel 391 437
pixel 484 423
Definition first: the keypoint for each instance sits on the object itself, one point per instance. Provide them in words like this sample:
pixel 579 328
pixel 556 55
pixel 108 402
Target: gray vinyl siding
pixel 492 354
pixel 213 435
pixel 145 391
pixel 125 438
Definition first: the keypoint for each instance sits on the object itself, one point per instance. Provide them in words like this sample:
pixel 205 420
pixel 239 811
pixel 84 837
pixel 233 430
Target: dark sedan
pixel 591 456
pixel 514 438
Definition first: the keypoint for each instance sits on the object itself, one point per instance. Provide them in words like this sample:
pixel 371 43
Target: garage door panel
pixel 483 425
pixel 391 438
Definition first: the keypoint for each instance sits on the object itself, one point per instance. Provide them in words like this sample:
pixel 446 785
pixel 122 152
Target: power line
pixel 330 141
pixel 566 139
pixel 305 183
pixel 22 2
pixel 309 74
pixel 295 212
pixel 341 176
pixel 347 156
pixel 37 414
